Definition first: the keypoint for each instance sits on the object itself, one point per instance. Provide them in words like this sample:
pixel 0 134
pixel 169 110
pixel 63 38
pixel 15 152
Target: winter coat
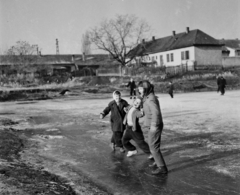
pixel 222 82
pixel 117 114
pixel 170 88
pixel 135 118
pixel 132 85
pixel 152 111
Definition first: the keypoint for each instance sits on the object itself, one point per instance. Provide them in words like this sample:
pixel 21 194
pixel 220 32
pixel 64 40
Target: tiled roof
pixel 180 40
pixel 39 59
pixel 232 43
pixel 94 59
pixel 97 60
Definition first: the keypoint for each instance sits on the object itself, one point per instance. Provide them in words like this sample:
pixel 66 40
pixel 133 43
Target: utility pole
pixel 57 47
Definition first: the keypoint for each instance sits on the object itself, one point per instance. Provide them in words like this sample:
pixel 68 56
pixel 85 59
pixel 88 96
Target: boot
pixel 153 165
pixel 160 170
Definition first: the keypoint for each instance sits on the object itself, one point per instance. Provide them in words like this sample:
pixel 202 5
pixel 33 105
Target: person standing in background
pixel 132 86
pixel 222 84
pixel 170 89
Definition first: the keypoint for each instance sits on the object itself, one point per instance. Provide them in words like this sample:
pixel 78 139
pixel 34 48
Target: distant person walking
pixel 132 86
pixel 170 89
pixel 133 129
pixel 116 107
pixel 154 122
pixel 222 84
pixel 218 83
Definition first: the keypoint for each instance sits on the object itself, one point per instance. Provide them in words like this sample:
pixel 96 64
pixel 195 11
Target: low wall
pixel 173 70
pixel 109 71
pixel 230 61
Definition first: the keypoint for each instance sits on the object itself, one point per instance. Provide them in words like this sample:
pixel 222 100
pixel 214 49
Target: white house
pixel 192 47
pixel 231 52
pixel 233 47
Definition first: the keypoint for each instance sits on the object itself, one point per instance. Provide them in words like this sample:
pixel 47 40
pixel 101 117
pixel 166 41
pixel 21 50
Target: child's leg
pixel 113 139
pixel 126 140
pixel 138 137
pixel 118 138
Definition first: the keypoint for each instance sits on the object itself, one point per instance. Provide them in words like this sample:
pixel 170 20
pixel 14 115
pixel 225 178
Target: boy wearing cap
pixel 116 107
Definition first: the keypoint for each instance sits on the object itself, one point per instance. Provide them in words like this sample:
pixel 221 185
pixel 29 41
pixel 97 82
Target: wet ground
pixel 200 143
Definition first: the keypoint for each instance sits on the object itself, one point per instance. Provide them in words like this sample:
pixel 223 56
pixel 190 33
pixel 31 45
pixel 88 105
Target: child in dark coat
pixel 133 129
pixel 116 107
pixel 170 89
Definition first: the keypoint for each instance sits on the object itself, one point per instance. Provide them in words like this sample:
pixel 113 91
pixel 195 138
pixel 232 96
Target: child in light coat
pixel 133 129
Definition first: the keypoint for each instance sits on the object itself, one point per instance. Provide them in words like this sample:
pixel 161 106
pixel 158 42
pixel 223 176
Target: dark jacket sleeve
pixel 107 109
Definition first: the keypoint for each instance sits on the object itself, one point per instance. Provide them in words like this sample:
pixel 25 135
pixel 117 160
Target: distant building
pixel 230 52
pixel 233 47
pixel 192 47
pixel 80 64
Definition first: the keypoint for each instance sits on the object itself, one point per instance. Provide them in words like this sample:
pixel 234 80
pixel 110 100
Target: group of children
pixel 125 125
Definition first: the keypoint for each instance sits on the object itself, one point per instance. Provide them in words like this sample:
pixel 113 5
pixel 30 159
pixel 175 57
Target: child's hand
pixel 101 116
pixel 125 109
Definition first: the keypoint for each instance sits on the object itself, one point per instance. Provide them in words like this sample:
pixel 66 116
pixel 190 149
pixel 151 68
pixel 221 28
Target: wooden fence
pixel 174 70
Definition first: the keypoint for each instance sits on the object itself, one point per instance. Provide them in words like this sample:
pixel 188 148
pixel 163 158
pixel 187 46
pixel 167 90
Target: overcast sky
pixel 43 21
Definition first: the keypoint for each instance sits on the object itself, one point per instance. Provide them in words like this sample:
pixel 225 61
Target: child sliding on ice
pixel 133 129
pixel 116 107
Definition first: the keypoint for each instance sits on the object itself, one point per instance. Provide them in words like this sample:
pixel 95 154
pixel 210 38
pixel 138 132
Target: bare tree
pixel 23 56
pixel 119 35
pixel 86 43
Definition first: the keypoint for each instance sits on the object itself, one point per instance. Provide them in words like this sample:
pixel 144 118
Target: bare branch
pixel 119 35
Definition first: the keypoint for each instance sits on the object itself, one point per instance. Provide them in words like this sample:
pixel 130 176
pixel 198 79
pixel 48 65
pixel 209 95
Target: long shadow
pixel 182 114
pixel 192 137
pixel 203 159
pixel 7 113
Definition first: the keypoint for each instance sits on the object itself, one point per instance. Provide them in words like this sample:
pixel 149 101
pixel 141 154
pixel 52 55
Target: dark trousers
pixel 117 138
pixel 138 137
pixel 132 92
pixel 154 141
pixel 171 93
pixel 222 89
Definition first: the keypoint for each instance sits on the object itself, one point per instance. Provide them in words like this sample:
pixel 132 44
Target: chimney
pixel 73 58
pixel 153 38
pixel 187 30
pixel 174 33
pixel 83 56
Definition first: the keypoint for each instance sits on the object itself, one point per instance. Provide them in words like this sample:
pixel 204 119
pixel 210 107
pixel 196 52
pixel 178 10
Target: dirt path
pixel 200 144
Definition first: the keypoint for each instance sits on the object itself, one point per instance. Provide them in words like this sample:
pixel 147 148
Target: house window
pixel 182 55
pixel 172 57
pixel 152 58
pixel 161 60
pixel 156 57
pixel 167 57
pixel 185 55
pixel 237 52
